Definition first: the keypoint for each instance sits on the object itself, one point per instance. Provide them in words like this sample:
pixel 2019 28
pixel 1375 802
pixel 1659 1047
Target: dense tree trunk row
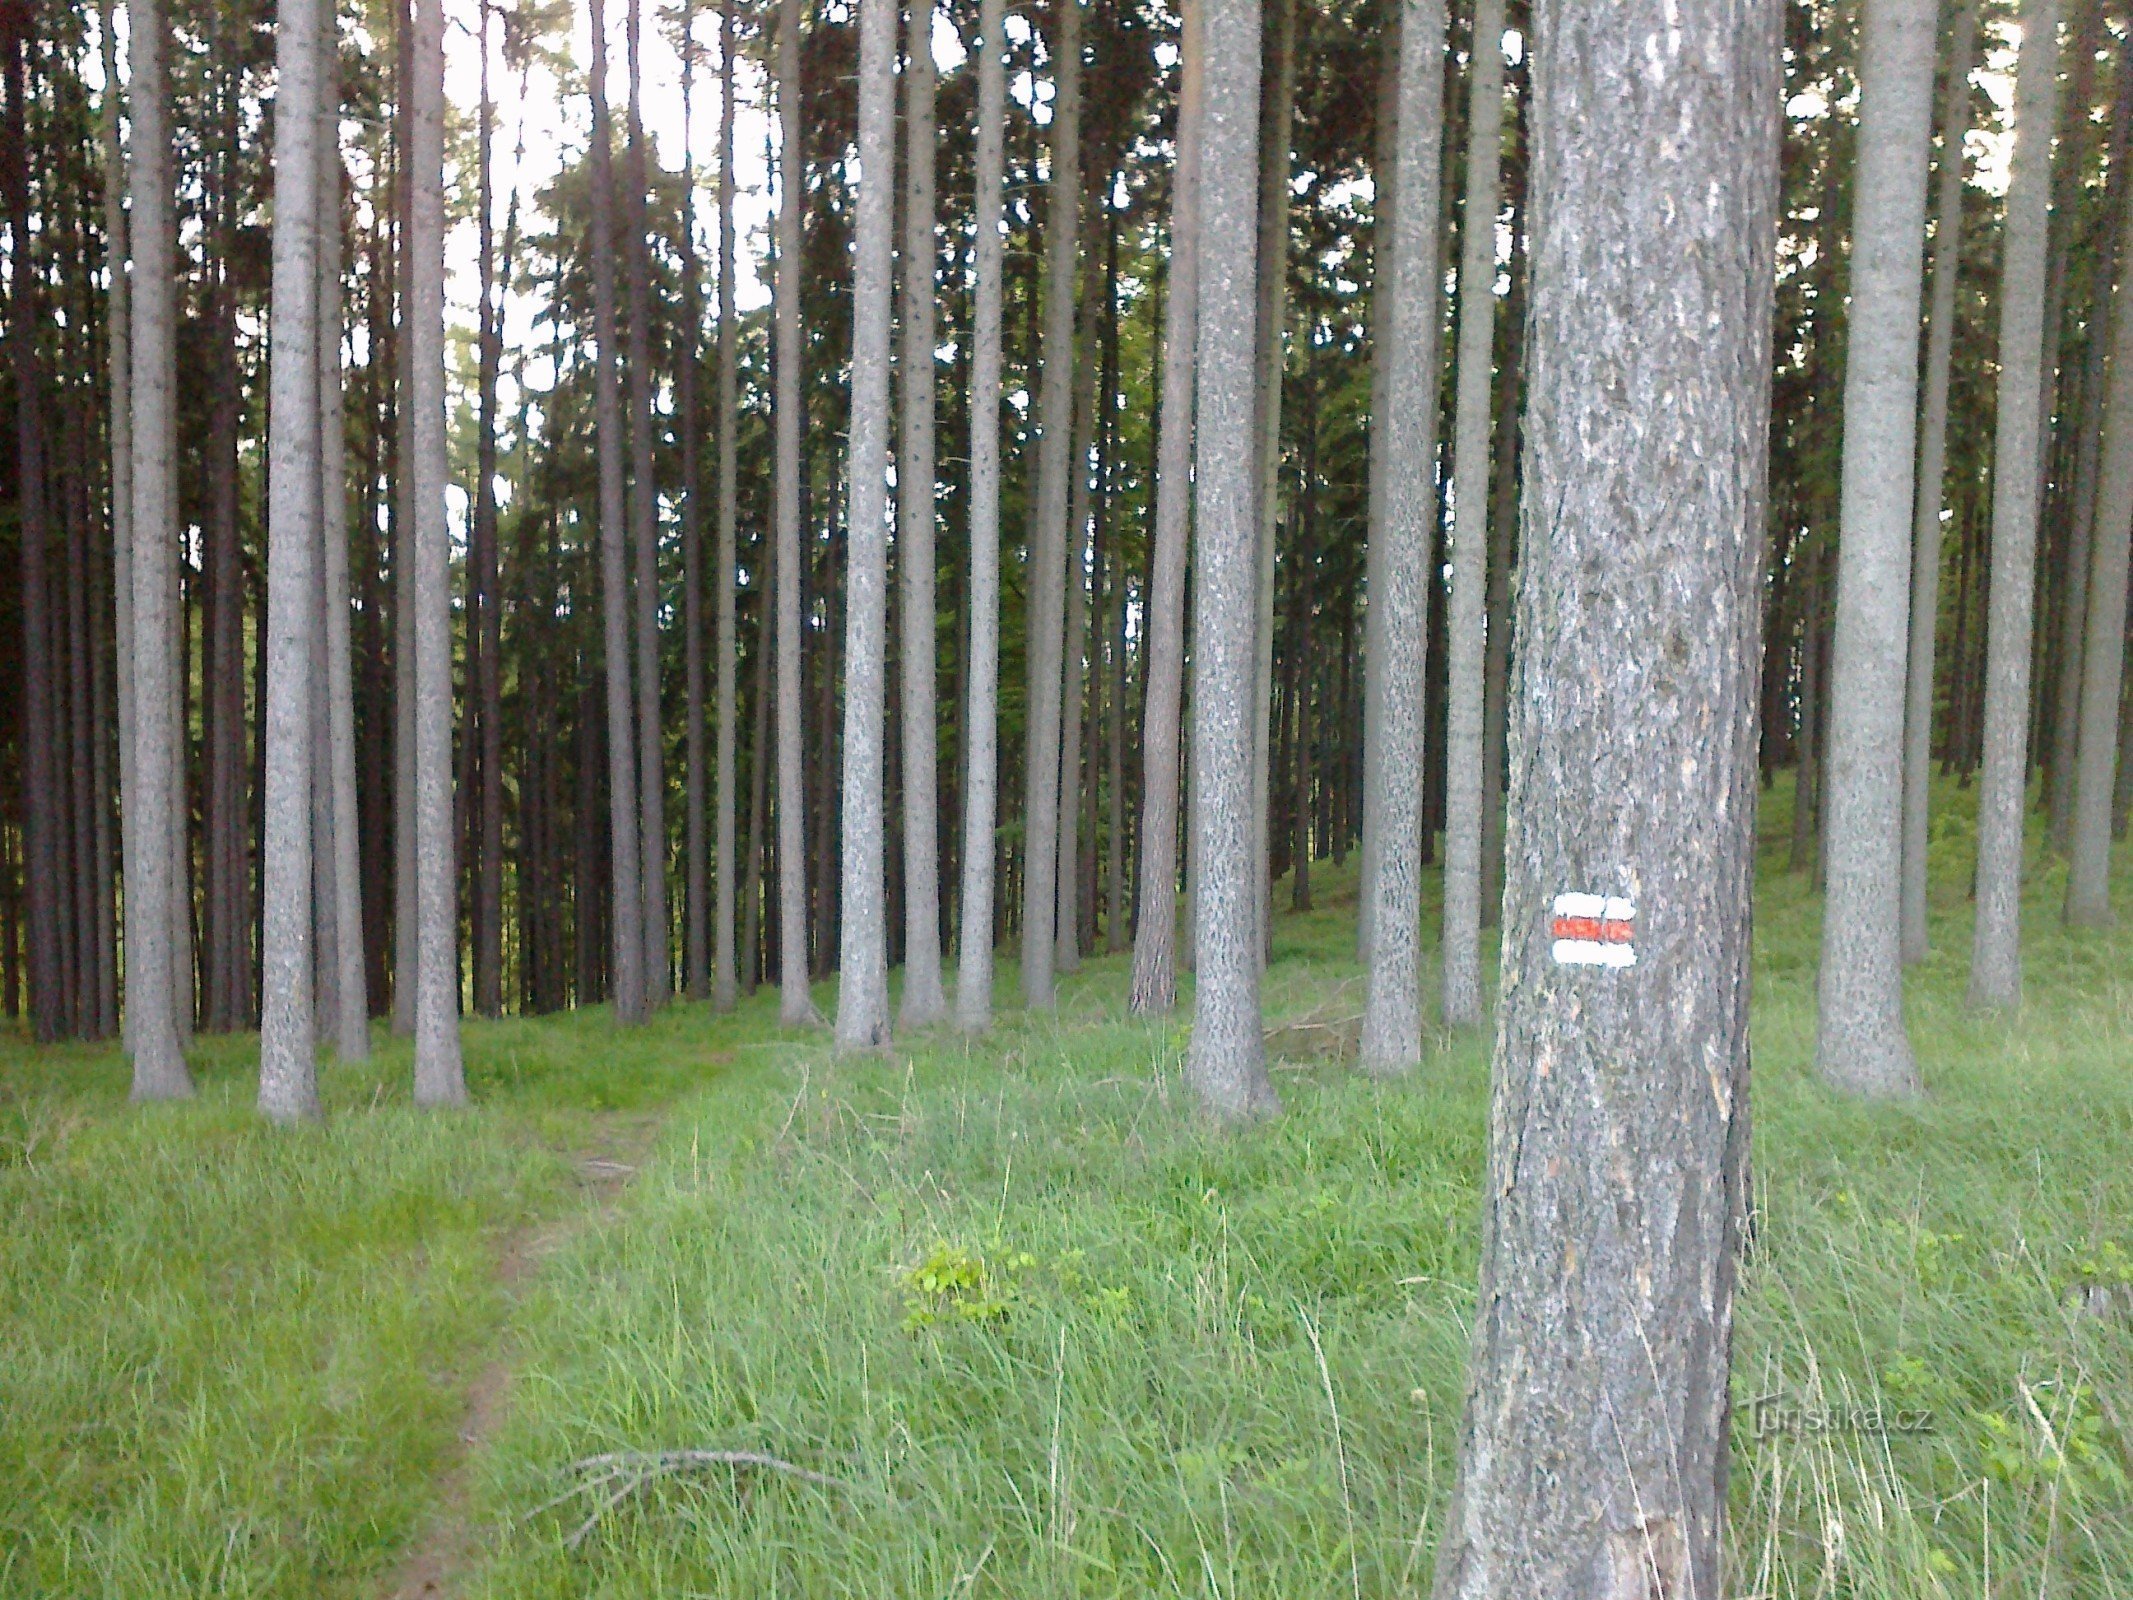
pixel 284 720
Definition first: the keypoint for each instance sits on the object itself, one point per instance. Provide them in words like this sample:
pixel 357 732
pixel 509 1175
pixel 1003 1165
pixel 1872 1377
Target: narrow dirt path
pixel 435 1564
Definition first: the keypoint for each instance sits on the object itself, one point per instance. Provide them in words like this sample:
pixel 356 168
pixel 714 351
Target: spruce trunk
pixel 626 981
pixel 1225 1061
pixel 1155 963
pixel 1594 1447
pixel 1464 745
pixel 1392 1005
pixel 1996 948
pixel 1860 1042
pixel 863 949
pixel 1930 487
pixel 923 1002
pixel 974 957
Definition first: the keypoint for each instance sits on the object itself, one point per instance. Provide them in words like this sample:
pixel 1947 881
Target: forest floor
pixel 1032 1328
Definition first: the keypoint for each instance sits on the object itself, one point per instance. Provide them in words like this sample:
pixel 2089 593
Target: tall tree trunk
pixel 81 739
pixel 1860 1043
pixel 586 932
pixel 439 1078
pixel 225 812
pixel 863 950
pixel 644 530
pixel 2098 749
pixel 1385 187
pixel 1996 950
pixel 1465 748
pixel 152 994
pixel 183 971
pixel 405 919
pixel 352 1024
pixel 728 559
pixel 104 717
pixel 1115 915
pixel 1074 674
pixel 1503 525
pixel 1930 488
pixel 626 982
pixel 1154 986
pixel 826 854
pixel 2082 440
pixel 485 598
pixel 974 966
pixel 2122 790
pixel 1807 763
pixel 696 910
pixel 759 761
pixel 1225 1061
pixel 288 1080
pixel 796 1006
pixel 1278 99
pixel 118 332
pixel 1302 580
pixel 1392 1006
pixel 1045 585
pixel 924 1001
pixel 1593 1452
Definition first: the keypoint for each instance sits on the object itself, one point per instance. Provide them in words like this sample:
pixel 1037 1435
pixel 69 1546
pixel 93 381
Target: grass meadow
pixel 1032 1328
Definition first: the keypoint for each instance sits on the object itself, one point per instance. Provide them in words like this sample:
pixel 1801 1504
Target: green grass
pixel 1052 1335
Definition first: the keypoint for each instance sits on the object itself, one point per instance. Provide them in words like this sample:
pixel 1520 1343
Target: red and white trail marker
pixel 1592 930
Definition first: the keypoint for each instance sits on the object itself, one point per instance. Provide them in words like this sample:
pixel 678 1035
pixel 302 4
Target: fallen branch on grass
pixel 1339 1025
pixel 1315 1038
pixel 621 1473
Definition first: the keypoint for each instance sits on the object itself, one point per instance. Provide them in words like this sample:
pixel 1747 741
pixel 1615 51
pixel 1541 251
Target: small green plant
pixel 954 1284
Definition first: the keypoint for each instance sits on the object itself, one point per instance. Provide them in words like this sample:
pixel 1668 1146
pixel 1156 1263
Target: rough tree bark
pixel 405 918
pixel 1226 1059
pixel 1503 527
pixel 1303 575
pixel 644 533
pixel 796 1006
pixel 626 982
pixel 1593 1452
pixel 1392 1004
pixel 1115 853
pixel 974 963
pixel 923 1001
pixel 696 873
pixel 119 419
pixel 1932 468
pixel 1278 100
pixel 2096 749
pixel 226 809
pixel 1996 947
pixel 439 1078
pixel 1074 656
pixel 723 983
pixel 758 772
pixel 863 948
pixel 152 994
pixel 485 599
pixel 1046 582
pixel 1385 183
pixel 288 1081
pixel 1155 960
pixel 351 1018
pixel 1860 1043
pixel 2059 717
pixel 1464 750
